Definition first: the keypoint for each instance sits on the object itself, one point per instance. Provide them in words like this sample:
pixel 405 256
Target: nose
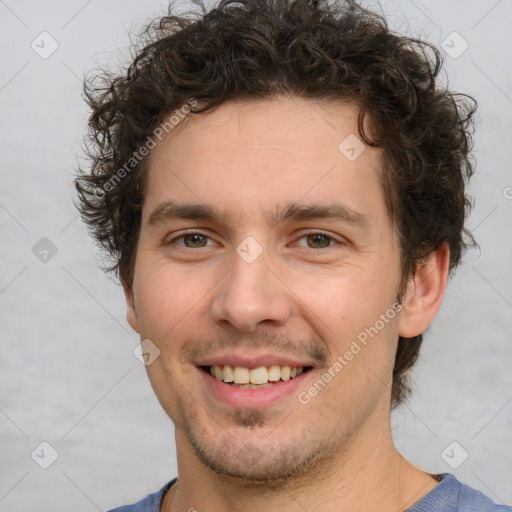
pixel 251 294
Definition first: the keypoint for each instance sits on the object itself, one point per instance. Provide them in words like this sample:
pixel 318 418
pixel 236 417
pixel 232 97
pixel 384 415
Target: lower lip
pixel 252 398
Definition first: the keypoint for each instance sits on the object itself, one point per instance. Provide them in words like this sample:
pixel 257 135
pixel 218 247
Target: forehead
pixel 251 156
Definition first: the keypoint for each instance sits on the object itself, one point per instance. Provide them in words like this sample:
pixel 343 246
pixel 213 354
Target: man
pixel 281 187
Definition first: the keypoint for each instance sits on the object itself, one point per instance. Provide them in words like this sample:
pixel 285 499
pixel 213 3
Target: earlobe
pixel 131 316
pixel 425 292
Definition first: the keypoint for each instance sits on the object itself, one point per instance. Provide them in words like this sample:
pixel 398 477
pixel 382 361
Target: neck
pixel 369 475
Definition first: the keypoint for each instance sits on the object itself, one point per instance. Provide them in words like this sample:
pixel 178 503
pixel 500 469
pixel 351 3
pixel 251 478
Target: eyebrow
pixel 171 210
pixel 334 211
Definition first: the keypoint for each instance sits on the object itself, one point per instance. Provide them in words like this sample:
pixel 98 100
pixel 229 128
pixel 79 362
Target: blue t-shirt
pixel 448 496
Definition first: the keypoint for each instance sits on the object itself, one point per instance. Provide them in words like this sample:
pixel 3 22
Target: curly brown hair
pixel 312 49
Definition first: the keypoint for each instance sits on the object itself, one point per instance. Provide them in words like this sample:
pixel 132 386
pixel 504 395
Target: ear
pixel 425 292
pixel 131 316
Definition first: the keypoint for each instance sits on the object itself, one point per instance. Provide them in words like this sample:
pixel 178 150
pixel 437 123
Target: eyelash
pixel 331 238
pixel 183 235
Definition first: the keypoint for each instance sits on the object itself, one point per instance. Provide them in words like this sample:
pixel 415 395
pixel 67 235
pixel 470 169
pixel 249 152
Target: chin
pixel 253 454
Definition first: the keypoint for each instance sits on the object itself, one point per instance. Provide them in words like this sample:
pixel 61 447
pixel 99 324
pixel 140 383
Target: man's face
pixel 263 244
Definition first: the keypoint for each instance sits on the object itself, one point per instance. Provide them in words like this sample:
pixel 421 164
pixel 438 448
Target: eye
pixel 191 240
pixel 318 240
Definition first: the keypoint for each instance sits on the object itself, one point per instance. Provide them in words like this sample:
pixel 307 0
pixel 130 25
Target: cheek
pixel 343 301
pixel 168 297
pixel 354 315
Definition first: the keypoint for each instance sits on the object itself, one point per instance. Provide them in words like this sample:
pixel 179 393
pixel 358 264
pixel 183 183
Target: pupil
pixel 319 240
pixel 196 240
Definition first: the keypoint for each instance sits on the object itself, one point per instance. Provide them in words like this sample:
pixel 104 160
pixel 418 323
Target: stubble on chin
pixel 258 466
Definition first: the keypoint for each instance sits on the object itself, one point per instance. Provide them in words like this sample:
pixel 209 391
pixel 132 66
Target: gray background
pixel 68 375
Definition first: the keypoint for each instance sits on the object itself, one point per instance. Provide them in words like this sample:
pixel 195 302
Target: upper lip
pixel 254 361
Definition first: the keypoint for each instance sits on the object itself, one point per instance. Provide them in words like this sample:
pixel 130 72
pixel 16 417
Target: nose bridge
pixel 250 293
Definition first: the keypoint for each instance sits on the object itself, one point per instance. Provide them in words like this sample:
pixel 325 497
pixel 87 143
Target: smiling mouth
pixel 254 378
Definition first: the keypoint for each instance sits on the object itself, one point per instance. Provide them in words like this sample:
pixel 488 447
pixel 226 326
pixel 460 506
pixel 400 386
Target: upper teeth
pixel 260 375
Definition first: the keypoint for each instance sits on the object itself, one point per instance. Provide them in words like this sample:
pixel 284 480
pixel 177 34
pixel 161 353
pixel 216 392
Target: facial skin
pixel 304 299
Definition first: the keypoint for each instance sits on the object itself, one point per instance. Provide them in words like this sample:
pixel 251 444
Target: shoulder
pixel 150 503
pixel 472 500
pixel 450 495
